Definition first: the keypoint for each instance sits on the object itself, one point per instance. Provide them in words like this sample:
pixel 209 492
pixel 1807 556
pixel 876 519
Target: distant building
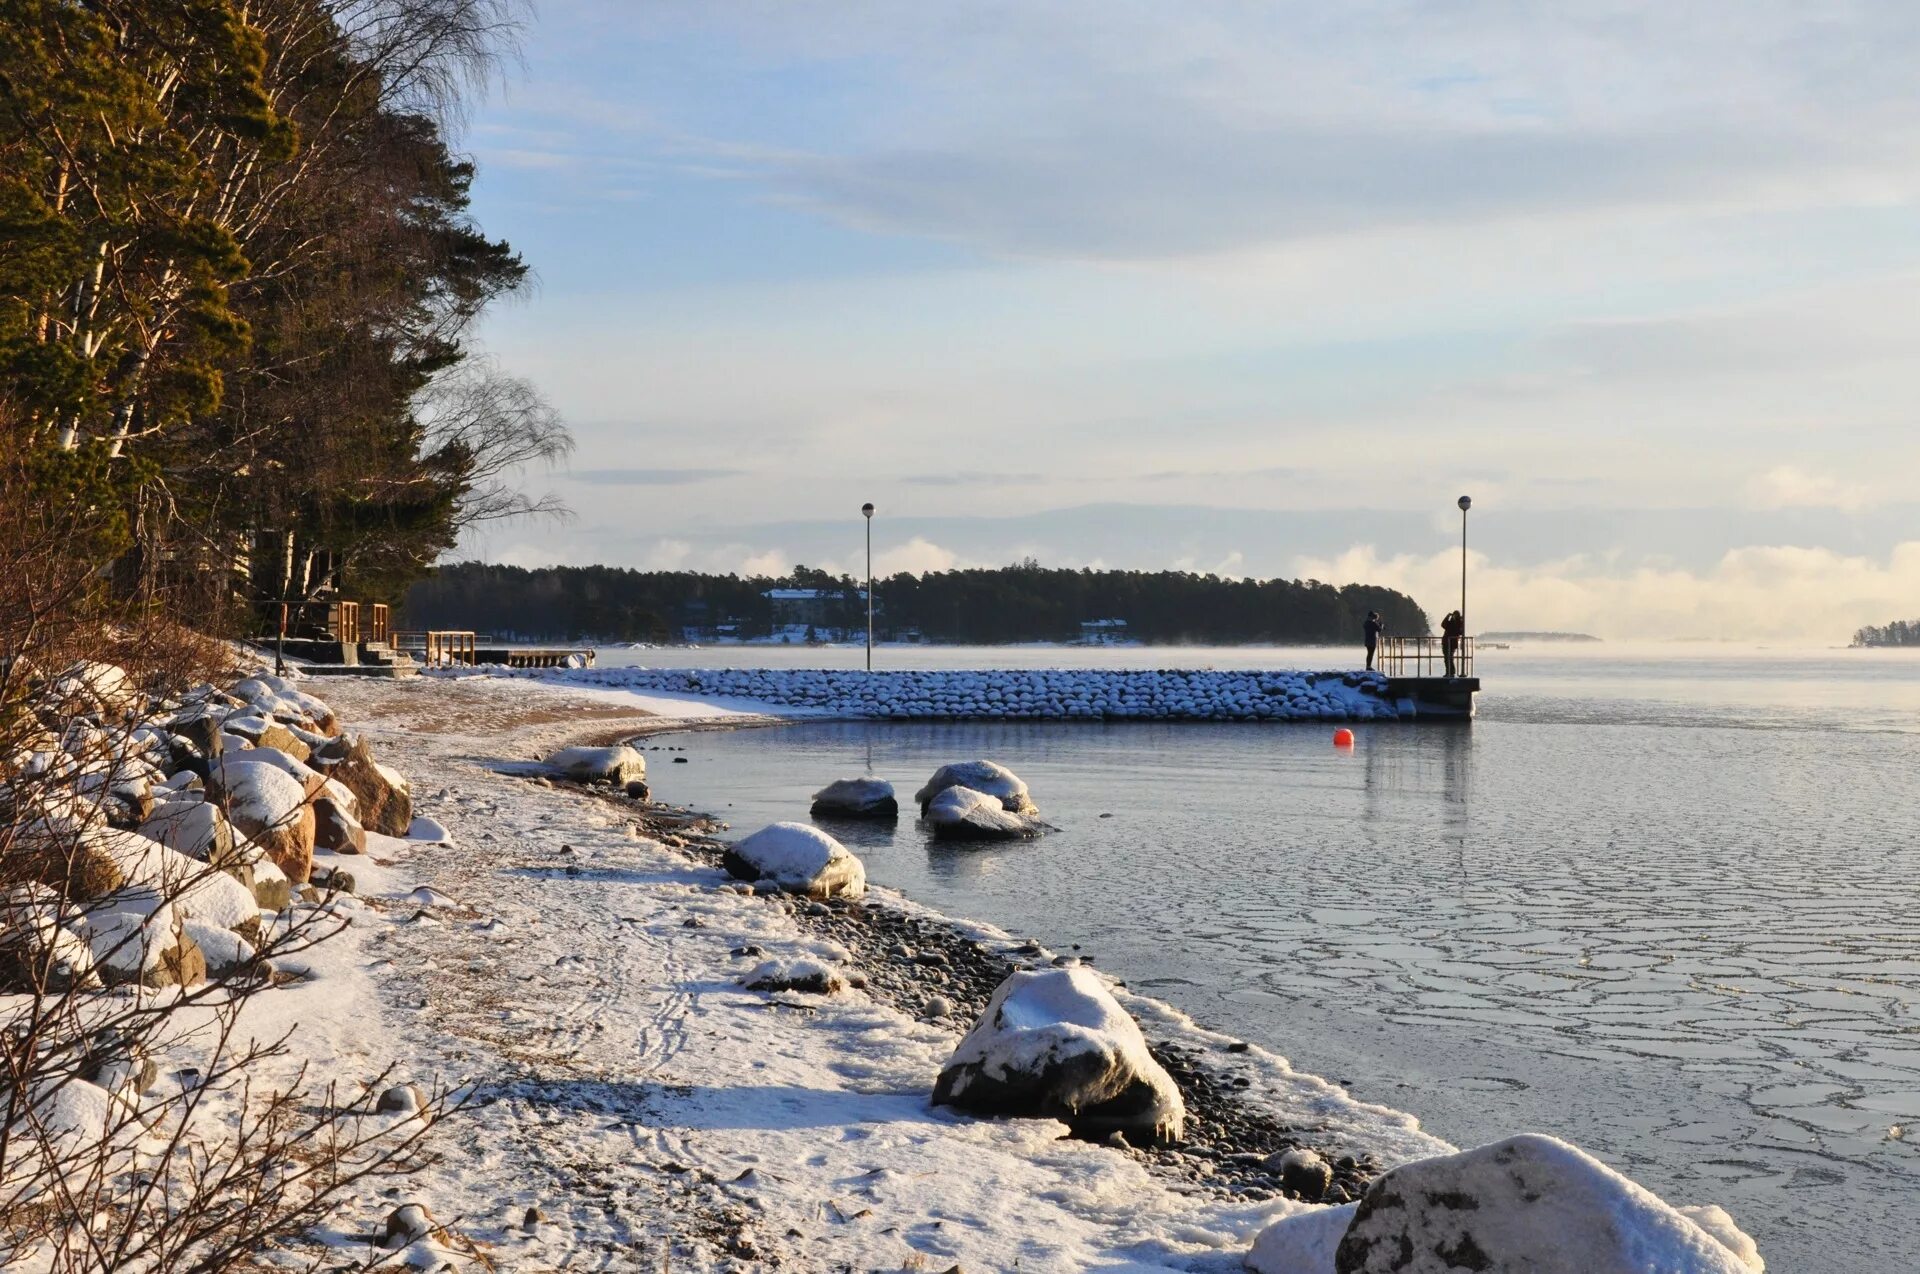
pixel 812 607
pixel 1103 632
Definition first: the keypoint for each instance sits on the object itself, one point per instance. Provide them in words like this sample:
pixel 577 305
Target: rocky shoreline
pixel 938 969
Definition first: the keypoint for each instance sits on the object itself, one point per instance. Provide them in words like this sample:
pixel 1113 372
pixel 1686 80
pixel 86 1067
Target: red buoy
pixel 1343 738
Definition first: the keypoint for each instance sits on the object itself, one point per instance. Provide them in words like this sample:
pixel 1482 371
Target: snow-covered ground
pixel 1184 694
pixel 585 983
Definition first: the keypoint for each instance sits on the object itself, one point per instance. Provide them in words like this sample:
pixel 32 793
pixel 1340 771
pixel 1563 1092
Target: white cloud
pixel 1790 487
pixel 1775 593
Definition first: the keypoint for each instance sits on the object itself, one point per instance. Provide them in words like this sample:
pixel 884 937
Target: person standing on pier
pixel 1452 628
pixel 1372 629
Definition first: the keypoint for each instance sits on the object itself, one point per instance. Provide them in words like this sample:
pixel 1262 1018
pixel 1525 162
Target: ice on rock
pixel 616 765
pixel 799 859
pixel 1054 1044
pixel 856 798
pixel 960 813
pixel 1530 1203
pixel 985 777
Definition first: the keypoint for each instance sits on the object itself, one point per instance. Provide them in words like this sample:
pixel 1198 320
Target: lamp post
pixel 1465 502
pixel 866 511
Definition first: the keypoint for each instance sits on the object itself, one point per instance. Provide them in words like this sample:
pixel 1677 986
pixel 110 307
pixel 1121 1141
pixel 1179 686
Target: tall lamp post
pixel 1466 502
pixel 866 511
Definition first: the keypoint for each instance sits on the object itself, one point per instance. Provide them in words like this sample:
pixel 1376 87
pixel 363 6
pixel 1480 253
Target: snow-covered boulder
pixel 618 765
pixel 995 780
pixel 799 859
pixel 101 688
pixel 813 977
pixel 286 703
pixel 37 951
pixel 384 797
pixel 1303 1243
pixel 960 813
pixel 1530 1203
pixel 271 810
pixel 856 798
pixel 195 828
pixel 1054 1044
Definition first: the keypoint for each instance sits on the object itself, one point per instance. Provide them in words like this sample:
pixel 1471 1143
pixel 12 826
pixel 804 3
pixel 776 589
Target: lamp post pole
pixel 866 511
pixel 1466 502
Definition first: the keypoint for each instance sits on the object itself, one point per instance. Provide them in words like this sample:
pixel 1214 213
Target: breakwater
pixel 1037 694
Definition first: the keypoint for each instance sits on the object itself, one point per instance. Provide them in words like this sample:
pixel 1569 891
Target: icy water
pixel 1665 903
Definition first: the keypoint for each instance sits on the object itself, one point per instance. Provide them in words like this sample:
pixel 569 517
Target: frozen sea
pixel 1662 901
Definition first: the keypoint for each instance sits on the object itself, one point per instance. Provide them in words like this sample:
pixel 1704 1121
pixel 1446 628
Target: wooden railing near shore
pixel 438 648
pixel 1422 657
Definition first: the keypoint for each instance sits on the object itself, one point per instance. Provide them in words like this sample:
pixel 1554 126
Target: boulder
pixel 811 977
pixel 960 813
pixel 386 802
pixel 270 810
pixel 282 739
pixel 1054 1044
pixel 336 829
pixel 856 798
pixel 982 776
pixel 94 687
pixel 37 952
pixel 272 891
pixel 1527 1203
pixel 141 939
pixel 619 765
pixel 1303 1243
pixel 199 728
pixel 799 859
pixel 282 700
pixel 192 827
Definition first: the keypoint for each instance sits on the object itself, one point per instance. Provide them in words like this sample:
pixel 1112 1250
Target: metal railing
pixel 438 648
pixel 1422 657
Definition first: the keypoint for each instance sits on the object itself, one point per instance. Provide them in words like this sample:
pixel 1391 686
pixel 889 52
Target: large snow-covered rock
pixel 1529 1203
pixel 799 859
pixel 89 686
pixel 995 780
pixel 270 810
pixel 384 797
pixel 856 798
pixel 287 703
pixel 195 828
pixel 618 765
pixel 1304 1243
pixel 1054 1044
pixel 960 813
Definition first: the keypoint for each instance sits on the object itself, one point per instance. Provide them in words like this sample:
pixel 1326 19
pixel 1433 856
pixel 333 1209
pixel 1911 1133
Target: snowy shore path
pixel 656 1114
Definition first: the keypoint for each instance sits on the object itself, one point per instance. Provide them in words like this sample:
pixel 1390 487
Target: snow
pixel 987 777
pixel 1304 1243
pixel 426 829
pixel 1040 1023
pixel 154 871
pixel 963 811
pixel 1181 694
pixel 629 1086
pixel 804 860
pixel 259 795
pixel 1530 1202
pixel 192 827
pixel 619 764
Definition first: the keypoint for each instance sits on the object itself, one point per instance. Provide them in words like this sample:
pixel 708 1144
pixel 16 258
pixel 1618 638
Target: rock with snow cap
pixel 993 779
pixel 799 859
pixel 1055 1044
pixel 619 765
pixel 271 810
pixel 384 796
pixel 960 813
pixel 1529 1203
pixel 856 798
pixel 335 828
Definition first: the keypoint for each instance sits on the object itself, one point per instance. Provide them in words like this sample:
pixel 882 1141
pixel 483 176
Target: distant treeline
pixel 1901 632
pixel 1025 602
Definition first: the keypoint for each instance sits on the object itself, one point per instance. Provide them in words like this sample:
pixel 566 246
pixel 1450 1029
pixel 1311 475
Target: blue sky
pixel 1250 288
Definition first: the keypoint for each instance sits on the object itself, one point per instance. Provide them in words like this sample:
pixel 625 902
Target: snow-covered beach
pixel 625 1041
pixel 583 974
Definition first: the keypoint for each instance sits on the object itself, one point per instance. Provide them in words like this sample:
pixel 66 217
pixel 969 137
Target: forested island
pixel 1022 602
pixel 1901 632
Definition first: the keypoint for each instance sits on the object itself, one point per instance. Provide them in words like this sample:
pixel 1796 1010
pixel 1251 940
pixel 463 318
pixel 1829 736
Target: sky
pixel 1257 289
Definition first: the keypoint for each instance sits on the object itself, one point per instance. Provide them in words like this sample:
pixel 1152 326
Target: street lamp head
pixel 1466 502
pixel 867 509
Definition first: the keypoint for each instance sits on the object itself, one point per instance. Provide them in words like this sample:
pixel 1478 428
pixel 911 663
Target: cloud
pixel 1769 593
pixel 1790 487
pixel 650 477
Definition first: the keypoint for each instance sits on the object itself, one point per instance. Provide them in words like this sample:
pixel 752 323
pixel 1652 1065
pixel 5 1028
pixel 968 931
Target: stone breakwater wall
pixel 1035 694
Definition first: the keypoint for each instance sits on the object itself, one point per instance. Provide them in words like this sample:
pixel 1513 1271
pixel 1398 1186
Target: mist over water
pixel 1664 902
